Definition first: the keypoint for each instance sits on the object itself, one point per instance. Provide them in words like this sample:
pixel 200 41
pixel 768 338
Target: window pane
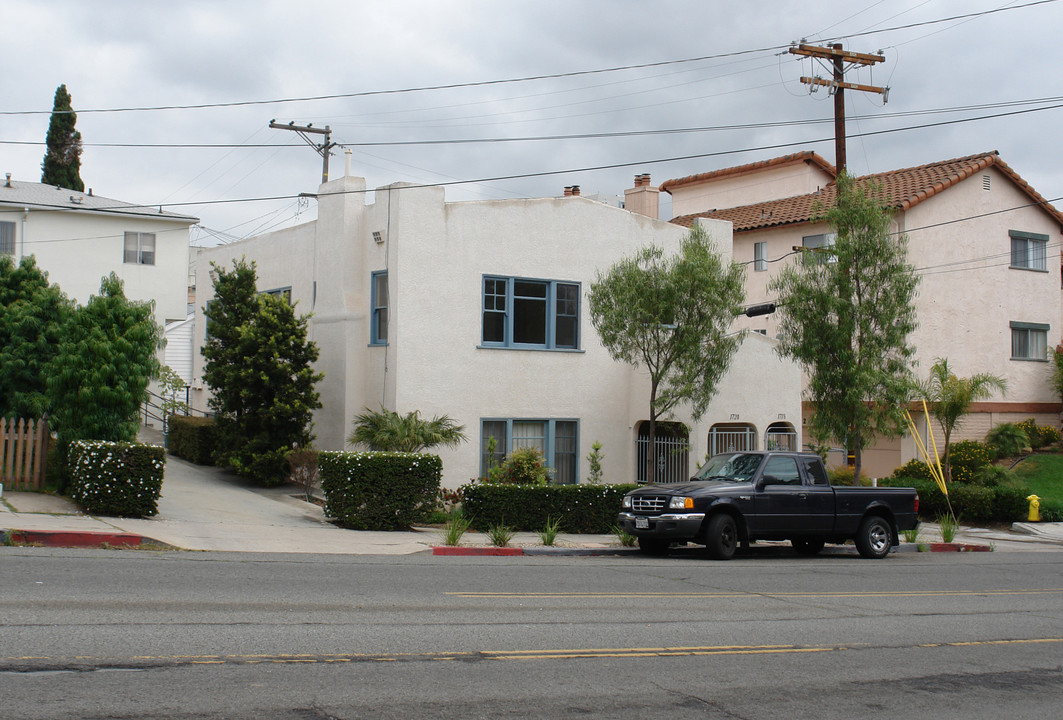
pixel 529 319
pixel 147 248
pixel 1018 252
pixel 1038 345
pixel 565 452
pixel 760 256
pixel 529 434
pixel 132 251
pixel 1037 254
pixel 494 312
pixel 7 238
pixel 1020 346
pixel 566 325
pixel 492 429
pixel 494 327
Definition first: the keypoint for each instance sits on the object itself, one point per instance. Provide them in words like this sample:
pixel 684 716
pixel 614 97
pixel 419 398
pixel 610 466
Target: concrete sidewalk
pixel 205 508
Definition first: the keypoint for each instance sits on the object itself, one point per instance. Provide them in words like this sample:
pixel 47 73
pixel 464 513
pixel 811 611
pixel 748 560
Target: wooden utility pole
pixel 324 149
pixel 838 58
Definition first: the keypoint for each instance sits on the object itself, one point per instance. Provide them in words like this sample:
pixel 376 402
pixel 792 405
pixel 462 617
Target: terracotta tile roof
pixel 805 156
pixel 900 189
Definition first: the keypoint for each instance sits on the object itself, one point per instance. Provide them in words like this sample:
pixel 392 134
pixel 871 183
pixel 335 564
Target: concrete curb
pixel 76 539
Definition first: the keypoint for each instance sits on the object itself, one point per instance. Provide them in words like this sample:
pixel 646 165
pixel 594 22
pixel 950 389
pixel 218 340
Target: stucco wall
pixel 748 188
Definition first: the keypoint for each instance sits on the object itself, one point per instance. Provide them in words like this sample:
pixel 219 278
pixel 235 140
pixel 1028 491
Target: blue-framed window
pixel 557 440
pixel 378 332
pixel 529 313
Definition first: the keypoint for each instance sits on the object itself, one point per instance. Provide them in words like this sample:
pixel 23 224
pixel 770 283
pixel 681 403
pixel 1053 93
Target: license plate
pixel 642 523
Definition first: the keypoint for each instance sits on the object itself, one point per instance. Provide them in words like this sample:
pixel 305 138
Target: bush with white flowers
pixel 379 490
pixel 116 478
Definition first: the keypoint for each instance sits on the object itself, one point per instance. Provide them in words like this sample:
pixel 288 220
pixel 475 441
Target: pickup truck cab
pixel 741 497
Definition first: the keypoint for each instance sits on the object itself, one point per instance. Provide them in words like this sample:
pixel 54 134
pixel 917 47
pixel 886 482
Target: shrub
pixel 914 469
pixel 1007 440
pixel 116 478
pixel 377 490
pixel 527 508
pixel 1029 426
pixel 1048 435
pixel 968 457
pixel 1051 511
pixel 973 503
pixel 841 475
pixel 993 476
pixel 302 462
pixel 523 466
pixel 192 438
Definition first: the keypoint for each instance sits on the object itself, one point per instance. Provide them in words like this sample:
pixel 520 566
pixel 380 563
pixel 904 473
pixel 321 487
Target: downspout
pixel 22 234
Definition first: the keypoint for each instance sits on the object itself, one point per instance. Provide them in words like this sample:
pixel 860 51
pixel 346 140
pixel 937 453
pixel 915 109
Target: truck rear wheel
pixel 873 538
pixel 721 537
pixel 808 546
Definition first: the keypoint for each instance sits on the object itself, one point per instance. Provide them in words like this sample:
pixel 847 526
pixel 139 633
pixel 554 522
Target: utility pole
pixel 324 149
pixel 838 58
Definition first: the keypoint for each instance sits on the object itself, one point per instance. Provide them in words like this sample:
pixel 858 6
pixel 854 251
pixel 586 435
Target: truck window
pixel 781 471
pixel 815 471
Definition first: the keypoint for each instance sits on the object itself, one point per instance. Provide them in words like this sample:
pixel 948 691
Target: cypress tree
pixel 62 159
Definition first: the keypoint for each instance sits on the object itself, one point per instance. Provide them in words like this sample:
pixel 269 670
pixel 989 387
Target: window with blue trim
pixel 557 440
pixel 520 312
pixel 378 330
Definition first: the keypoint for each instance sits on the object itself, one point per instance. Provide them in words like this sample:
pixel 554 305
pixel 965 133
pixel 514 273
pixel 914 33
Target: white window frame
pixel 7 237
pixel 760 256
pixel 139 248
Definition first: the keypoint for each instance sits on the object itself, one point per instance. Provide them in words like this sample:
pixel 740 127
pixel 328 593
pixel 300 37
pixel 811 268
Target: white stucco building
pixel 477 310
pixel 79 238
pixel 985 244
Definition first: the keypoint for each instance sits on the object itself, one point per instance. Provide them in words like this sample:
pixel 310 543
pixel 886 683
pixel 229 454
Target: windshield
pixel 732 467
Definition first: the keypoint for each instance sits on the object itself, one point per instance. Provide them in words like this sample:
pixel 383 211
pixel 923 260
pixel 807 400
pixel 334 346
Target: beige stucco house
pixel 984 243
pixel 478 310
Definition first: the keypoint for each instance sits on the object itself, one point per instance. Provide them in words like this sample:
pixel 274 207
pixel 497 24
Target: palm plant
pixel 951 397
pixel 388 431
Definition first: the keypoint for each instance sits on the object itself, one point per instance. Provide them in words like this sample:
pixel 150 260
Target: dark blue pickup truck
pixel 741 497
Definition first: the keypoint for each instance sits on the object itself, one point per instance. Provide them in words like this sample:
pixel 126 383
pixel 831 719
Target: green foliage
pixel 194 439
pixel 993 476
pixel 98 378
pixel 302 468
pixel 62 159
pixel 258 364
pixel 841 475
pixel 32 316
pixel 1051 511
pixel 456 526
pixel 1029 426
pixel 577 508
pixel 548 534
pixel 594 464
pixel 848 321
pixel 116 478
pixel 379 491
pixel 523 466
pixel 948 526
pixel 625 538
pixel 388 431
pixel 1049 435
pixel 974 503
pixel 173 386
pixel 671 316
pixel 500 535
pixel 914 469
pixel 1007 440
pixel 968 457
pixel 1057 370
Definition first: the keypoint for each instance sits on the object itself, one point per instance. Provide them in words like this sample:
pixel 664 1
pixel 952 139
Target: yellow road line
pixel 726 595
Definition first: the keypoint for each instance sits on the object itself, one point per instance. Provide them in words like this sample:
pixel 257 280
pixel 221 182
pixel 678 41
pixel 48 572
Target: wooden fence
pixel 23 453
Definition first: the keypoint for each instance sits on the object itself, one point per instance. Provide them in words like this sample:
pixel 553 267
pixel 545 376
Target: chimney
pixel 643 199
pixel 575 190
pixel 8 183
pixel 568 191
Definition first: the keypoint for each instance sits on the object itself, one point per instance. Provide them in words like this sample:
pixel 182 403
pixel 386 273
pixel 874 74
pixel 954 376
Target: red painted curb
pixel 958 547
pixel 60 538
pixel 451 550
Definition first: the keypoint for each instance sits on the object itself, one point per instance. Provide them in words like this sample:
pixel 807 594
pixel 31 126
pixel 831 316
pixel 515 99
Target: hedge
pixel 971 503
pixel 379 490
pixel 112 478
pixel 192 438
pixel 526 508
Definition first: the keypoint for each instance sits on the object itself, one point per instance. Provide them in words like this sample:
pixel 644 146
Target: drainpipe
pixel 22 233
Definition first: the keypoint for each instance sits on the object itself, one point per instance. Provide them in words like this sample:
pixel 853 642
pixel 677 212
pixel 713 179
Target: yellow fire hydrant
pixel 1035 508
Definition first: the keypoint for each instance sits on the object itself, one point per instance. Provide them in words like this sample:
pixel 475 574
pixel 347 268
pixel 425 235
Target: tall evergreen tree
pixel 258 366
pixel 847 319
pixel 62 159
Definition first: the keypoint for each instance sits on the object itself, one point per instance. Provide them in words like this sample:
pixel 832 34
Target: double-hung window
pixel 1029 251
pixel 1029 341
pixel 557 440
pixel 760 256
pixel 7 238
pixel 140 248
pixel 378 333
pixel 526 313
pixel 819 249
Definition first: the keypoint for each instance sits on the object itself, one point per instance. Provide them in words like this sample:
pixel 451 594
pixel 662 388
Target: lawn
pixel 1044 475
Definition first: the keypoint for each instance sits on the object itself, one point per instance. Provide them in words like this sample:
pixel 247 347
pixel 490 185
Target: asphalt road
pixel 133 634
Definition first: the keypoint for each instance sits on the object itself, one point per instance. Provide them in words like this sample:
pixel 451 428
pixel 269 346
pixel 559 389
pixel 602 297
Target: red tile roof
pixel 899 189
pixel 806 156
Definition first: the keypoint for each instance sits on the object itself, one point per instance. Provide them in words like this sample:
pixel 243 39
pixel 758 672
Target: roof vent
pixel 76 200
pixel 377 237
pixel 986 182
pixel 8 183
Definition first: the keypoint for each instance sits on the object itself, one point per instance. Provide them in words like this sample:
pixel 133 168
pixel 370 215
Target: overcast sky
pixel 270 55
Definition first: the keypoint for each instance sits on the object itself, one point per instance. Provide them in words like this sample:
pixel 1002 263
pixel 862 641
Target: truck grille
pixel 649 503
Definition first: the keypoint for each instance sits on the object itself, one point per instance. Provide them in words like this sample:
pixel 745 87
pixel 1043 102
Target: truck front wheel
pixel 721 537
pixel 873 538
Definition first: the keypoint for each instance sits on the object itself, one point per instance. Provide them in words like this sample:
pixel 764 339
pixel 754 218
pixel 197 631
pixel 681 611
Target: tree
pixel 671 315
pixel 258 365
pixel 388 431
pixel 98 378
pixel 950 398
pixel 847 318
pixel 62 159
pixel 32 315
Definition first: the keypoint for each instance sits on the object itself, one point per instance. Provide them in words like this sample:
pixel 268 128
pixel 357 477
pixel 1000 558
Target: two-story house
pixel 984 243
pixel 478 310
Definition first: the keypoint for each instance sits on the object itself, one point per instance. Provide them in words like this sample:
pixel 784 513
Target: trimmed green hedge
pixel 971 503
pixel 379 490
pixel 192 438
pixel 525 508
pixel 113 478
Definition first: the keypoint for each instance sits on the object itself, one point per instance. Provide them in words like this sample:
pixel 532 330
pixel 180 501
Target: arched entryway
pixel 732 437
pixel 781 436
pixel 672 451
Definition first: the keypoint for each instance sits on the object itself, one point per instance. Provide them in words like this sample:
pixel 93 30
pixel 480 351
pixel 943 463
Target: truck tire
pixel 873 538
pixel 721 537
pixel 808 546
pixel 653 546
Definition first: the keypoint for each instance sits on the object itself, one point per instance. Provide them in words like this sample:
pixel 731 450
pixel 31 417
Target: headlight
pixel 681 503
pixel 626 502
